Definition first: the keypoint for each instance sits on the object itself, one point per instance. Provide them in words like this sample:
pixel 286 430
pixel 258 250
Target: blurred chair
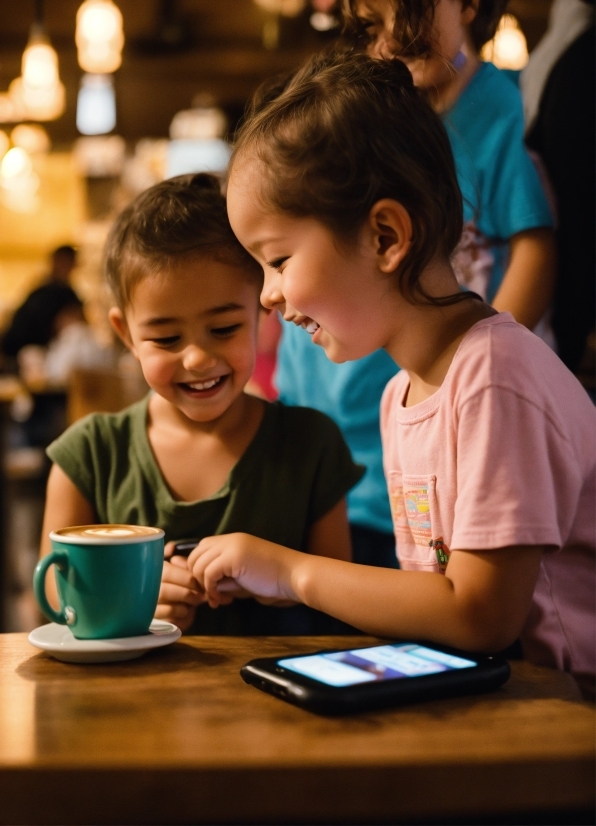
pixel 105 390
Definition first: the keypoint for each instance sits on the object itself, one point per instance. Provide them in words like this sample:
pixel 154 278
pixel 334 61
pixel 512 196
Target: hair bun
pixel 400 72
pixel 205 180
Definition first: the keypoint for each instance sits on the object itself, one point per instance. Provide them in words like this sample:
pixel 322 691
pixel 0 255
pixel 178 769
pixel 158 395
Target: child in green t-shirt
pixel 199 456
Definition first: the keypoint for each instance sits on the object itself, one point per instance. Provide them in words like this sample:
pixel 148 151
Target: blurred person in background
pixel 47 339
pixel 38 320
pixel 558 90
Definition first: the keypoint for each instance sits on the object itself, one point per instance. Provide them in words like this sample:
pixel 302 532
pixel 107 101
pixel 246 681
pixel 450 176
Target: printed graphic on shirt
pixel 472 260
pixel 418 513
pixel 442 551
pixel 398 509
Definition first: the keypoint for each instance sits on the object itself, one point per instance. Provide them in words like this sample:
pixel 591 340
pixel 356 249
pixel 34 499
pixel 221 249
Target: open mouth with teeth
pixel 311 327
pixel 203 388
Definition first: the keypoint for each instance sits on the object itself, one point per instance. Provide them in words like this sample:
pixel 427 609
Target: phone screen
pixel 382 662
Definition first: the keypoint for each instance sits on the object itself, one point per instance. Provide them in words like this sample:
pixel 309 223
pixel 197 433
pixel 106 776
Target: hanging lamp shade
pixel 96 105
pixel 38 93
pixel 99 36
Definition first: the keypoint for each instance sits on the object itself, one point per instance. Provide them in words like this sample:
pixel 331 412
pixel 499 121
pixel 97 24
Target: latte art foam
pixel 108 532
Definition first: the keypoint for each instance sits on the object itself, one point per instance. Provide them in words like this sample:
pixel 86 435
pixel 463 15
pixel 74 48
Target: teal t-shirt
pixel 295 470
pixel 500 185
pixel 350 394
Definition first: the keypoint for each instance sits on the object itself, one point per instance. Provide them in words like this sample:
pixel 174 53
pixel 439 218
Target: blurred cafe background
pixel 98 101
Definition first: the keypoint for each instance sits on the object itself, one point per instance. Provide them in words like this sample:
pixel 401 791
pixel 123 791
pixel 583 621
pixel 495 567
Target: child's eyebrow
pixel 259 243
pixel 223 308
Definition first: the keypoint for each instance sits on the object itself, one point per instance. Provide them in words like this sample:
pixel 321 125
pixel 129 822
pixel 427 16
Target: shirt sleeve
pixel 335 472
pixel 514 199
pixel 74 452
pixel 517 480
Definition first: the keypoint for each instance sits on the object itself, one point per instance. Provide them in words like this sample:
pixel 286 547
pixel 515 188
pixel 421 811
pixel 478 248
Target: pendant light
pixel 99 36
pixel 39 91
pixel 508 49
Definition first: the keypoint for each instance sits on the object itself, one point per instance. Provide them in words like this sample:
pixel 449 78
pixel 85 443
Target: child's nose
pixel 195 358
pixel 272 297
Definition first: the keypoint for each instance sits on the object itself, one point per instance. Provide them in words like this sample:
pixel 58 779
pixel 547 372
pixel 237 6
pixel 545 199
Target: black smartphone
pixel 185 547
pixel 338 682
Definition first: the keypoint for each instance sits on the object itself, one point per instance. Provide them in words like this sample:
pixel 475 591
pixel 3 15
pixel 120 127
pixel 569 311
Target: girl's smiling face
pixel 448 35
pixel 336 293
pixel 193 330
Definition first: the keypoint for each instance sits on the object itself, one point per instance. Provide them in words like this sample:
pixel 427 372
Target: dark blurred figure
pixel 561 128
pixel 38 319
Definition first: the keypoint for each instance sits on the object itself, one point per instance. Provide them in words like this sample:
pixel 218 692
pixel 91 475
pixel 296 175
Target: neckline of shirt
pixel 428 407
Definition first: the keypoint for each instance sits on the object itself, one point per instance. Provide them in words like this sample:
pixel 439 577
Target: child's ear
pixel 120 327
pixel 392 232
pixel 469 12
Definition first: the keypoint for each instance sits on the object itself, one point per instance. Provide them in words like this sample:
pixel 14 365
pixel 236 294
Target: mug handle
pixel 60 559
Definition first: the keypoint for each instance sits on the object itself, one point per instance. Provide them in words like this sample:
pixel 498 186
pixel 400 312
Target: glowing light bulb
pixel 38 93
pixel 15 164
pixel 37 103
pixel 287 8
pixel 99 36
pixel 96 105
pixel 31 137
pixel 39 67
pixel 4 143
pixel 508 49
pixel 18 181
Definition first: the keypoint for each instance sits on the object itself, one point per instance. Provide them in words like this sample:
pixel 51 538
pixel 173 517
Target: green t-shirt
pixel 296 468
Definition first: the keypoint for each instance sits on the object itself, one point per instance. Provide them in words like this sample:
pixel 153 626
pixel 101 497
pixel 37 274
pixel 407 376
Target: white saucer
pixel 58 641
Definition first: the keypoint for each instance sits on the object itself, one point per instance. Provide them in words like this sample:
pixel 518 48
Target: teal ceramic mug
pixel 108 579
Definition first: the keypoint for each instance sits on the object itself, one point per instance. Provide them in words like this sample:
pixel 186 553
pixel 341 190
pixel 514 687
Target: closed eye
pixel 223 332
pixel 166 341
pixel 277 263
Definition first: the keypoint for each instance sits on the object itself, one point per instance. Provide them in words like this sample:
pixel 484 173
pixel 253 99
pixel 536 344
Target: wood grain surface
pixel 177 737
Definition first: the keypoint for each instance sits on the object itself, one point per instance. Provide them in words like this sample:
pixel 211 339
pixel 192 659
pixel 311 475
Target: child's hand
pixel 179 594
pixel 223 565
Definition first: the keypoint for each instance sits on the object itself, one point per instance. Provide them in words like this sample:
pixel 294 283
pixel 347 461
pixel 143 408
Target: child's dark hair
pixel 176 218
pixel 414 19
pixel 347 131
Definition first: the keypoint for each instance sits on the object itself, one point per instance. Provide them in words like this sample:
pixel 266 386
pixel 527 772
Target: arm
pixel 528 285
pixel 481 603
pixel 65 506
pixel 329 536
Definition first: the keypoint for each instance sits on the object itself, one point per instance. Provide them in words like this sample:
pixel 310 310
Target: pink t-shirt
pixel 504 453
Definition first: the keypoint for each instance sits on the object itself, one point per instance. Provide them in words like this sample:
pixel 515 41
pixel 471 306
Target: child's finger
pixel 227 585
pixel 178 574
pixel 177 610
pixel 168 549
pixel 179 561
pixel 170 594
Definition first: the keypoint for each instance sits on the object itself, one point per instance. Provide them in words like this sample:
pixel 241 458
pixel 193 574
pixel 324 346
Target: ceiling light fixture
pixel 508 49
pixel 99 36
pixel 38 93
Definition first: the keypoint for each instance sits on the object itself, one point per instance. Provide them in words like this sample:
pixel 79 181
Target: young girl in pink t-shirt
pixel 344 189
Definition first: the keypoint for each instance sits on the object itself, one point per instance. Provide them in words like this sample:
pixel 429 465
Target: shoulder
pixel 489 106
pixel 99 429
pixel 500 354
pixel 497 89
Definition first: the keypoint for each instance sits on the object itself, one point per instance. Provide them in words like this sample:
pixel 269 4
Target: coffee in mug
pixel 107 577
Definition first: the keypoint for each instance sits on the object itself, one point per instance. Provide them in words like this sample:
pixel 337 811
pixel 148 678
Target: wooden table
pixel 177 737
